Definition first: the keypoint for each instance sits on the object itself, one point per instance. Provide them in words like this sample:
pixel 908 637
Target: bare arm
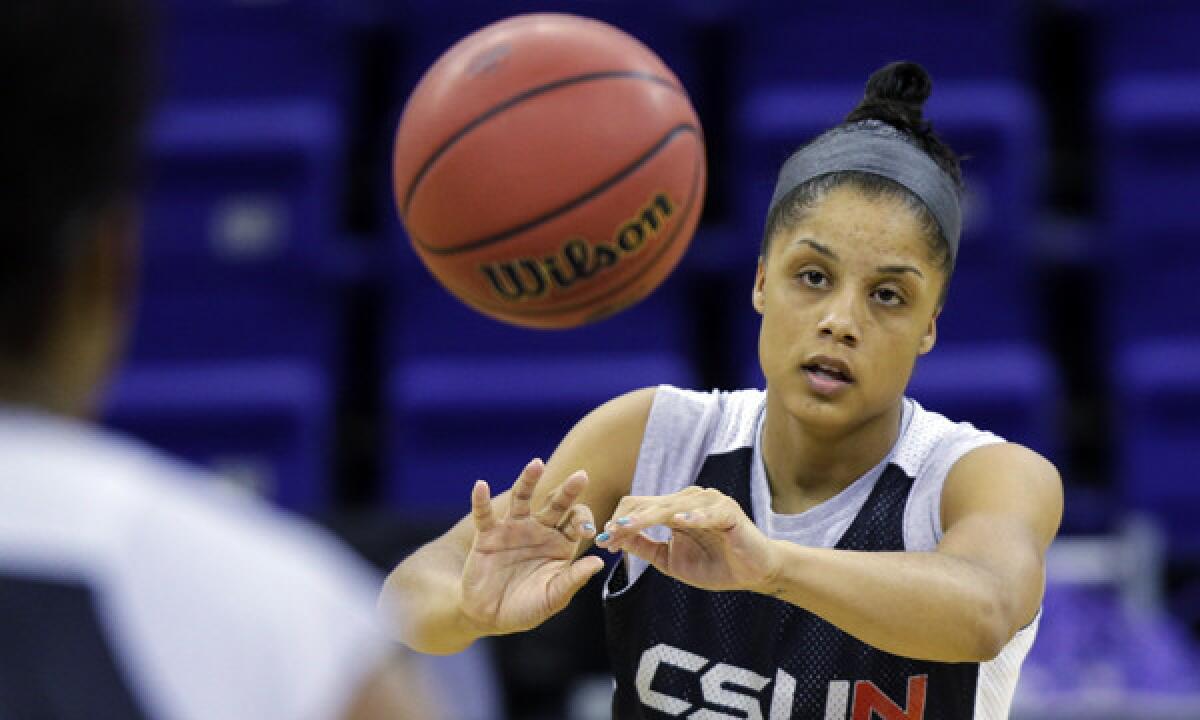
pixel 420 598
pixel 424 595
pixel 397 690
pixel 1001 507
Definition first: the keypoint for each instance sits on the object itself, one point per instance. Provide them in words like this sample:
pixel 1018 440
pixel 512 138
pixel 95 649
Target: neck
pixel 806 466
pixel 24 387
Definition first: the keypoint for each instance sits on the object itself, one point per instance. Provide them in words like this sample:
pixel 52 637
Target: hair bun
pixel 896 94
pixel 903 82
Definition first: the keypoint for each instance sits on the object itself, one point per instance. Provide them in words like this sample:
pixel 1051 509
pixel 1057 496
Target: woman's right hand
pixel 521 569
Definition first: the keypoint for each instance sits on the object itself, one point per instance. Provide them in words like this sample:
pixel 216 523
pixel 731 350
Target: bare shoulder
pixel 605 444
pixel 632 408
pixel 1005 479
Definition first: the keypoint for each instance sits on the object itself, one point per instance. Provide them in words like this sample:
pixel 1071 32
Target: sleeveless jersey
pixel 678 651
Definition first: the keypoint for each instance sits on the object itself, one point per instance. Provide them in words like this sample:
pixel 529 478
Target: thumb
pixel 564 585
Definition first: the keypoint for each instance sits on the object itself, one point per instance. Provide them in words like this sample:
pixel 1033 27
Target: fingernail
pixel 589 527
pixel 623 521
pixel 602 537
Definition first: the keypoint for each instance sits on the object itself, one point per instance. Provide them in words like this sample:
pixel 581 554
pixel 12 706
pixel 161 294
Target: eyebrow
pixel 824 250
pixel 900 270
pixel 885 269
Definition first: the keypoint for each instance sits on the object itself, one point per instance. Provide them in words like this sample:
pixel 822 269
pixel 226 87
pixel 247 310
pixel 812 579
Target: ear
pixel 929 339
pixel 757 297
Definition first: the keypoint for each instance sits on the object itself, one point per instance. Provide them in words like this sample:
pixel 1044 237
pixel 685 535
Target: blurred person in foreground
pixel 129 587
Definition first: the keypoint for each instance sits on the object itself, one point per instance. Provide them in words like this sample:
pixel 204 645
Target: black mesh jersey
pixel 678 651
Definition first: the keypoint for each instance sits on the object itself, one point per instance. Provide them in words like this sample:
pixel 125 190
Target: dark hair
pixel 75 88
pixel 895 95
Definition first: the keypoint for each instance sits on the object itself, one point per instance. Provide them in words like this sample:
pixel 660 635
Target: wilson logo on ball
pixel 521 279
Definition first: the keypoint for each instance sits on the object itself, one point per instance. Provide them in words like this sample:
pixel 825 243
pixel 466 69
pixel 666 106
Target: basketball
pixel 549 170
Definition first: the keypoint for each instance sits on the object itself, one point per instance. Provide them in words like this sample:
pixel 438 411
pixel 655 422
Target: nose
pixel 839 322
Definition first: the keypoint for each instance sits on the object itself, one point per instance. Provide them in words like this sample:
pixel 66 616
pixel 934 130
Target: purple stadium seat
pixel 263 425
pixel 823 41
pixel 244 183
pixel 240 234
pixel 1157 386
pixel 1097 657
pixel 1145 37
pixel 236 335
pixel 1149 147
pixel 427 28
pixel 238 50
pixel 470 397
pixel 1150 143
pixel 1008 389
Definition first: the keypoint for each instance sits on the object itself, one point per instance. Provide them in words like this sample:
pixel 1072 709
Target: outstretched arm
pixel 514 561
pixel 1001 507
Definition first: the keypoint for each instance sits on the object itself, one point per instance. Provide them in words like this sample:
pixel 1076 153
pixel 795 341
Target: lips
pixel 830 368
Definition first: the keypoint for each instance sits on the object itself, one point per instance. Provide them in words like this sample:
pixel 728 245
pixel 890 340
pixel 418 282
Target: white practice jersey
pixel 131 586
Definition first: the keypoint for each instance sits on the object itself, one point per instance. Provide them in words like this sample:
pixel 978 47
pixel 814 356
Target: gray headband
pixel 877 148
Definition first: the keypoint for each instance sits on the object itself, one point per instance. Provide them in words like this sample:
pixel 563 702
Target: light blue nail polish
pixel 623 521
pixel 602 537
pixel 589 527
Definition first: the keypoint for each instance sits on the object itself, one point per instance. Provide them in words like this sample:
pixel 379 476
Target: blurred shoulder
pixel 221 605
pixel 138 509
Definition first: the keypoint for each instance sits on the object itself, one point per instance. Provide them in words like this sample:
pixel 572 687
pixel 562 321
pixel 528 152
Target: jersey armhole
pixel 929 469
pixel 679 432
pixel 959 448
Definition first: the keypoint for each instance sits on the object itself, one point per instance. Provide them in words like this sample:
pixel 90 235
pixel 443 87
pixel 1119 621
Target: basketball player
pixel 824 549
pixel 128 589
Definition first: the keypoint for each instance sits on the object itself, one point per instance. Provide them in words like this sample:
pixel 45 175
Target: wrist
pixel 773 580
pixel 468 625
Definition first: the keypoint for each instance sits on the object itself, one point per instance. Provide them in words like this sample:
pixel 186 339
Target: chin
pixel 815 411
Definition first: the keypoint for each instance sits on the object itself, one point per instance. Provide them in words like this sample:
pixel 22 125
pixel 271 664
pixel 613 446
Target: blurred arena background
pixel 288 337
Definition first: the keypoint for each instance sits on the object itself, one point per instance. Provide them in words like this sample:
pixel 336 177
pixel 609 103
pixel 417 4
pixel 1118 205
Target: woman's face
pixel 848 298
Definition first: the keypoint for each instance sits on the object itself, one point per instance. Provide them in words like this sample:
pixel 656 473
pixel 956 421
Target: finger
pixel 711 518
pixel 522 493
pixel 628 507
pixel 578 523
pixel 481 507
pixel 564 585
pixel 636 518
pixel 563 498
pixel 650 550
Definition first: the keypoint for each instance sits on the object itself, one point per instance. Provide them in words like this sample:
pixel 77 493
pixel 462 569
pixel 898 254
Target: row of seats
pixel 1147 259
pixel 237 350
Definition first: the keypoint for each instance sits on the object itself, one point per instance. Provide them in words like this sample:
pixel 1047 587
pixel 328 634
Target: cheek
pixel 770 334
pixel 779 329
pixel 899 342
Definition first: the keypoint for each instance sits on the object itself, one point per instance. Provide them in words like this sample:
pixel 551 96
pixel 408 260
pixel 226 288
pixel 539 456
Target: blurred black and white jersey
pixel 131 587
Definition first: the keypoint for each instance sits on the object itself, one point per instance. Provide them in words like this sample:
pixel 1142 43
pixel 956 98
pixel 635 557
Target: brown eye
pixel 813 278
pixel 889 297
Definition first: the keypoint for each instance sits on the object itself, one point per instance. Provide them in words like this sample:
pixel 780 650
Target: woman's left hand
pixel 713 545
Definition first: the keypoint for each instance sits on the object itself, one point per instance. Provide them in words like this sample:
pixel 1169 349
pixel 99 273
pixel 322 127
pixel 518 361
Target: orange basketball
pixel 549 170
